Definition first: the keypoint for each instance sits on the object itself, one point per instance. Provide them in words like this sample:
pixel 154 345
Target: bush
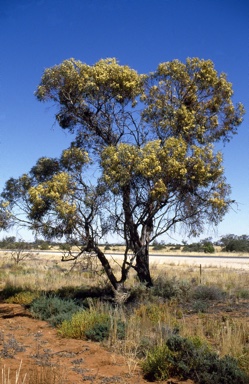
pixel 99 331
pixel 200 306
pixel 191 359
pixel 203 246
pixel 167 289
pixel 157 364
pixel 53 309
pixel 236 243
pixel 23 298
pixel 208 248
pixel 204 292
pixel 158 247
pixel 91 324
pixel 243 294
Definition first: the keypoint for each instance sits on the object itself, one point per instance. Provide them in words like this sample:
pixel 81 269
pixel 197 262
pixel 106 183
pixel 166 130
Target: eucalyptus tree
pixel 142 158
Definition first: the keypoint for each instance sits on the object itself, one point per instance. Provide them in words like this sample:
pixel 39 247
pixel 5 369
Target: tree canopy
pixel 142 159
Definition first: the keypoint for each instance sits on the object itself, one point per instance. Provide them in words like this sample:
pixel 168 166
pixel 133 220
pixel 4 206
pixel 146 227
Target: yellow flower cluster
pixel 106 78
pixel 161 165
pixel 74 158
pixel 56 191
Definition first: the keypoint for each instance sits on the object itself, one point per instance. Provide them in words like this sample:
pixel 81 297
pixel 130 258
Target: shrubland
pixel 178 327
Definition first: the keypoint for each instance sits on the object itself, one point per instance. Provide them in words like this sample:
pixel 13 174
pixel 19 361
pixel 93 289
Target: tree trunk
pixel 142 266
pixel 140 246
pixel 106 265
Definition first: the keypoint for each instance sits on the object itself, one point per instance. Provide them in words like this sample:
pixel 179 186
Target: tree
pixel 233 243
pixel 7 242
pixel 142 159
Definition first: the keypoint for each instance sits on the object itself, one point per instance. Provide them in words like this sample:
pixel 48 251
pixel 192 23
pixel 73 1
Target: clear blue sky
pixel 36 34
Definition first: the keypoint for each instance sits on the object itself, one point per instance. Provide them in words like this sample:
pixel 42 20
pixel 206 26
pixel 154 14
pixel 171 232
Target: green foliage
pixel 53 309
pixel 23 298
pixel 233 243
pixel 243 293
pixel 191 359
pixel 99 331
pixel 156 366
pixel 7 242
pixel 203 246
pixel 208 248
pixel 204 292
pixel 65 247
pixel 200 306
pixel 158 246
pixel 168 288
pixel 91 324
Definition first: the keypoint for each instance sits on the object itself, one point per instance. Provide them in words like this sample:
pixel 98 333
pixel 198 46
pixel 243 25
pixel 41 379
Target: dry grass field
pixel 211 304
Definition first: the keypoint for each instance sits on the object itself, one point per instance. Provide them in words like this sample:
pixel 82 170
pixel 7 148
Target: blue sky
pixel 36 34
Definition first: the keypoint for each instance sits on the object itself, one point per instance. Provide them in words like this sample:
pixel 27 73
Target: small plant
pixel 191 359
pixel 157 364
pixel 20 251
pixel 200 306
pixel 204 292
pixel 243 294
pixel 169 288
pixel 91 324
pixel 23 298
pixel 53 309
pixel 10 348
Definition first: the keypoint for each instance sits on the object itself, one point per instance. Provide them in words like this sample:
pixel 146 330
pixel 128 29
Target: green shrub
pixel 194 247
pixel 203 246
pixel 168 288
pixel 53 309
pixel 157 364
pixel 191 359
pixel 200 306
pixel 23 298
pixel 239 244
pixel 99 331
pixel 208 248
pixel 158 247
pixel 204 292
pixel 243 294
pixel 91 324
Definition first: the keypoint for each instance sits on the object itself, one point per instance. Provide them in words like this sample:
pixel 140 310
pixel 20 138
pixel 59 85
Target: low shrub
pixel 191 359
pixel 169 288
pixel 243 294
pixel 53 309
pixel 23 298
pixel 156 366
pixel 91 324
pixel 204 292
pixel 200 306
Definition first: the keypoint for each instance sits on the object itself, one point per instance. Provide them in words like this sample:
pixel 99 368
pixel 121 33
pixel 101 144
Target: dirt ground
pixel 37 347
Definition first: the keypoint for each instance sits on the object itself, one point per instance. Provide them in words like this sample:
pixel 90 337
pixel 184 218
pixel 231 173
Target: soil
pixel 42 353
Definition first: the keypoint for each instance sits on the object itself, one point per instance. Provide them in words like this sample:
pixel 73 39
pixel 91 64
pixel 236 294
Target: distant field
pixel 169 250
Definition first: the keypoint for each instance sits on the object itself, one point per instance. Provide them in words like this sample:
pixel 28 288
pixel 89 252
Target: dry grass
pixel 150 321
